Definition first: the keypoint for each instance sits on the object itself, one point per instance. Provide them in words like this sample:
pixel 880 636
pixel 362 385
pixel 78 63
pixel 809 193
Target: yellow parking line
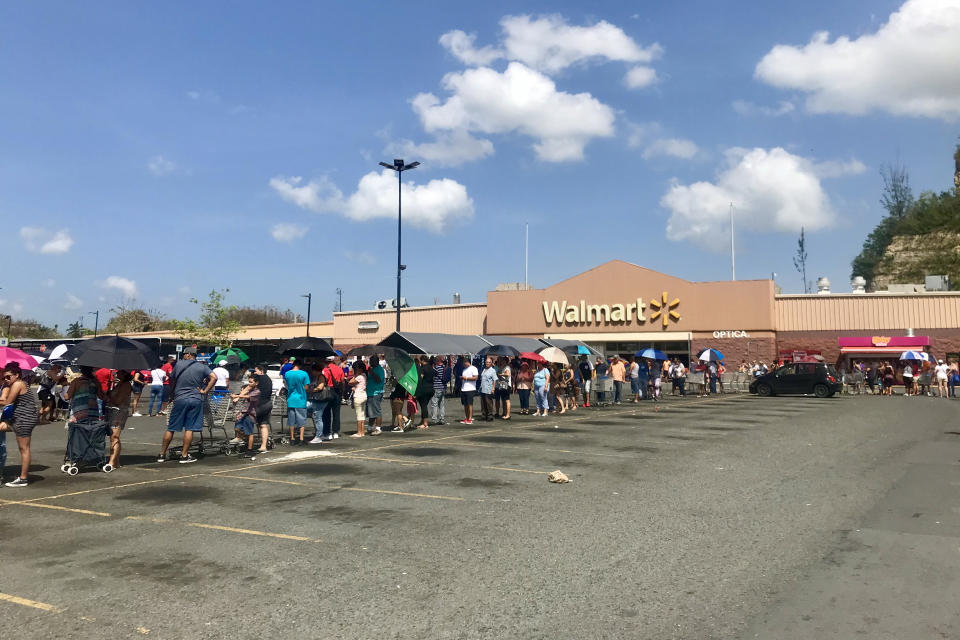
pixel 33 604
pixel 85 512
pixel 202 525
pixel 403 493
pixel 116 486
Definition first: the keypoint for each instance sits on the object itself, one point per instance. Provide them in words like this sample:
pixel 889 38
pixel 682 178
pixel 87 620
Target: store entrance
pixel 673 348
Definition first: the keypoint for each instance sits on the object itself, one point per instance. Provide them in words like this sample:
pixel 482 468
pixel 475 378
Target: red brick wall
pixel 942 341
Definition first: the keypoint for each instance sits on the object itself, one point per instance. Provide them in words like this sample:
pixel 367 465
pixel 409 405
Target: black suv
pixel 799 377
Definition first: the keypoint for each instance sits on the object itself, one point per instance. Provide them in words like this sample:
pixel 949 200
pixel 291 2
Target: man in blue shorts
pixel 192 380
pixel 297 382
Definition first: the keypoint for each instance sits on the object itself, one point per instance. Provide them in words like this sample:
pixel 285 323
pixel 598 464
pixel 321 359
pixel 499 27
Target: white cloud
pixel 449 149
pixel 73 302
pixel 640 77
pixel 909 66
pixel 362 257
pixel 433 205
pixel 40 240
pixel 839 168
pixel 124 285
pixel 12 307
pixel 771 190
pixel 519 100
pixel 460 44
pixel 747 108
pixel 673 147
pixel 287 232
pixel 50 283
pixel 160 166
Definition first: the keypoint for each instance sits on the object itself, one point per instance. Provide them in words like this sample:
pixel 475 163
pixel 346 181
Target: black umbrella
pixel 498 350
pixel 306 347
pixel 113 352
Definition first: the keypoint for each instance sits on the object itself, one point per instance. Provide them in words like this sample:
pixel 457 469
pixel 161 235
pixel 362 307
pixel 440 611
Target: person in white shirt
pixel 942 373
pixel 908 380
pixel 468 389
pixel 223 377
pixel 157 376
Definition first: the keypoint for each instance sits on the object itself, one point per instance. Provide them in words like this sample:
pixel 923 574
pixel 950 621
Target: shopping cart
pixel 86 446
pixel 603 385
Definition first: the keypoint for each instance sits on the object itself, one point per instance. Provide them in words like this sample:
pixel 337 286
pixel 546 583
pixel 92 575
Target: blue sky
pixel 159 151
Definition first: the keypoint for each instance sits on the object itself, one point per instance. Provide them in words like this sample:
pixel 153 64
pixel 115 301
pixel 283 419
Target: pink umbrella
pixel 25 360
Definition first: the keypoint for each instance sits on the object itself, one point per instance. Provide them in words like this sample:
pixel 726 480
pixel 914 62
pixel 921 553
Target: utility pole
pixel 526 255
pixel 96 321
pixel 399 166
pixel 309 297
pixel 339 299
pixel 733 253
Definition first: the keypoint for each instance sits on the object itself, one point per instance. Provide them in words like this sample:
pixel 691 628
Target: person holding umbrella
pixel 192 380
pixel 22 417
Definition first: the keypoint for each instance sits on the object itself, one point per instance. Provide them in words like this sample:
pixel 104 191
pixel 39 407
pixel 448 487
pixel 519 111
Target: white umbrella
pixel 553 354
pixel 58 351
pixel 914 355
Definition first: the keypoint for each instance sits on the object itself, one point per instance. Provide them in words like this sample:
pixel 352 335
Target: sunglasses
pixel 8 377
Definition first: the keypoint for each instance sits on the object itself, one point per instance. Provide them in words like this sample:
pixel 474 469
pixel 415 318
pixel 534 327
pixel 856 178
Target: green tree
pixel 74 330
pixel 897 199
pixel 800 260
pixel 129 317
pixel 215 324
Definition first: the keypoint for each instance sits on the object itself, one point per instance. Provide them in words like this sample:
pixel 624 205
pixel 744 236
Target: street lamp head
pixel 412 165
pixel 398 164
pixel 388 166
pixel 305 295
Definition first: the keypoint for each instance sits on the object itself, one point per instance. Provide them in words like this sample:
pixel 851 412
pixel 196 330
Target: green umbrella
pixel 230 354
pixel 402 366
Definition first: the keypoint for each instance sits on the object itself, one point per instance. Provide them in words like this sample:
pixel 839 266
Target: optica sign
pixel 730 334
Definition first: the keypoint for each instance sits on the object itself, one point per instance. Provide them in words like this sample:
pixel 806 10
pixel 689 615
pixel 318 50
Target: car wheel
pixel 821 391
pixel 764 390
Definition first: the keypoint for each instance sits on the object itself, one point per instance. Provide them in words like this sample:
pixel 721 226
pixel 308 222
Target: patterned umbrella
pixel 402 366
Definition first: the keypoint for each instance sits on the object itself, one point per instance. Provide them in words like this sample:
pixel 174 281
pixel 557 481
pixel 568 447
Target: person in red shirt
pixel 331 413
pixel 168 368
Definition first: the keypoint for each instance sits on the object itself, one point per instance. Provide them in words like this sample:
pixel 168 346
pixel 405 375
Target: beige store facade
pixel 620 307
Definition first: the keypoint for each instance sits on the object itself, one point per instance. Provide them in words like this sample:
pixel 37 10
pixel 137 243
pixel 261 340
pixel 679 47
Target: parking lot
pixel 695 518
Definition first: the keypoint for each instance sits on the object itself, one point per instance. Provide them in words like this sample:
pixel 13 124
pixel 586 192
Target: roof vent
pixel 823 285
pixel 858 284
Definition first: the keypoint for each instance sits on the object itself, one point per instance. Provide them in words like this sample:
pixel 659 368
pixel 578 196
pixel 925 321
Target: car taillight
pixel 831 378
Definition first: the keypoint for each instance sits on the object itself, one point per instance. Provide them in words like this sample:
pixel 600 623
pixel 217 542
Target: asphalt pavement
pixel 722 517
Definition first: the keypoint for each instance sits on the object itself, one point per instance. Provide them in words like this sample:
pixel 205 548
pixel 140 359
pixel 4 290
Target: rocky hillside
pixel 909 258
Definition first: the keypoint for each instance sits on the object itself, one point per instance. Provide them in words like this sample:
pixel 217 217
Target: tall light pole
pixel 96 321
pixel 339 299
pixel 399 166
pixel 309 297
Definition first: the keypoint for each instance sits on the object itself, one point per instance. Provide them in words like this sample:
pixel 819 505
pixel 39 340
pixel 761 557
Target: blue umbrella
pixel 582 350
pixel 710 355
pixel 913 355
pixel 652 354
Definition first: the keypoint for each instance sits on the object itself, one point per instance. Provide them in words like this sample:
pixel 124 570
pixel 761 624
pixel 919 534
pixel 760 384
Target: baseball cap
pixel 331 358
pixel 222 362
pixel 190 351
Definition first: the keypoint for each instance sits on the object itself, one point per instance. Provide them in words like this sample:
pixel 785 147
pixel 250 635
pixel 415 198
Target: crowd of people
pixel 315 390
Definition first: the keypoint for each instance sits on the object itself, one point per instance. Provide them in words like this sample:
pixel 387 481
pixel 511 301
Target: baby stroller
pixel 86 446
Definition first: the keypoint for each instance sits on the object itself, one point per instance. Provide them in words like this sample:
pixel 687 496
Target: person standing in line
pixel 586 378
pixel 316 406
pixel 246 423
pixel 167 396
pixel 908 380
pixel 359 384
pixel 541 387
pixel 468 388
pixel 942 372
pixel 488 381
pixel 192 380
pixel 398 398
pixel 504 387
pixel 331 415
pixel 296 381
pixel 425 390
pixel 437 402
pixel 48 401
pixel 375 381
pixel 158 378
pixel 138 382
pixel 655 380
pixel 117 404
pixel 524 381
pixel 222 384
pixel 643 378
pixel 953 378
pixel 618 372
pixel 21 419
pixel 287 364
pixel 458 368
pixel 265 406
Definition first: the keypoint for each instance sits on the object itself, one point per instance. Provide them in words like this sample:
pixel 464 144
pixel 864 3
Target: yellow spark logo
pixel 665 309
